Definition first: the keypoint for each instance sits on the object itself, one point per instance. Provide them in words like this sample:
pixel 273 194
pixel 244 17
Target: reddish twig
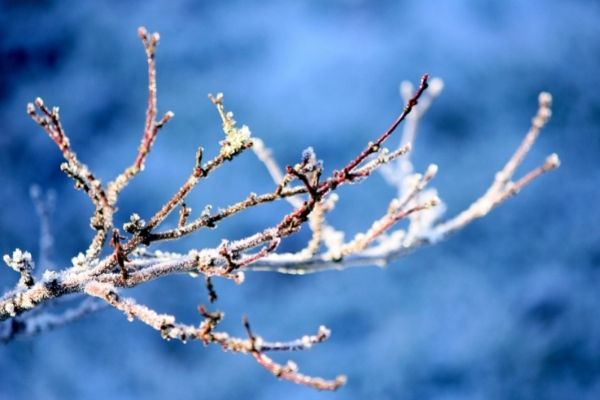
pixel 119 255
pixel 151 125
pixel 375 146
pixel 184 213
pixel 289 371
pixel 84 179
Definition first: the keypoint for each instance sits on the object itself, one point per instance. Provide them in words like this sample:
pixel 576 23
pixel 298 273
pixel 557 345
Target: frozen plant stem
pixel 99 274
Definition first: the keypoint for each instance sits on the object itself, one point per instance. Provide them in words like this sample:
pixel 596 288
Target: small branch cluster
pixel 22 263
pixel 100 274
pixel 503 186
pixel 84 179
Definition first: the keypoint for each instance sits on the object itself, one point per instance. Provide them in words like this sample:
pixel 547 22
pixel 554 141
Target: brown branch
pixel 184 213
pixel 119 254
pixel 151 125
pixel 84 179
pixel 384 157
pixel 293 221
pixel 205 333
pixel 228 255
pixel 198 173
pixel 310 188
pixel 380 226
pixel 211 320
pixel 50 122
pixel 265 251
pixel 211 220
pixel 289 371
pixel 373 147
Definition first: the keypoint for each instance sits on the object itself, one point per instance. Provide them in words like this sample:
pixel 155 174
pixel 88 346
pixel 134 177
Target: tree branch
pixel 131 263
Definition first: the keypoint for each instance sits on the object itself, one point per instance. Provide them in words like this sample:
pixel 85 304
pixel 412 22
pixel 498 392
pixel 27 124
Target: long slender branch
pixel 169 328
pixel 21 327
pixel 151 125
pixel 84 179
pixel 211 220
pixel 502 187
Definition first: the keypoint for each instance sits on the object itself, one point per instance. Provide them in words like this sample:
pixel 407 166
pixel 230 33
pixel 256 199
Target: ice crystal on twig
pixel 21 262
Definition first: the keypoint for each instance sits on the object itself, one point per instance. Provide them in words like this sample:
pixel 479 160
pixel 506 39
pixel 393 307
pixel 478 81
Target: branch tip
pixel 143 32
pixel 552 161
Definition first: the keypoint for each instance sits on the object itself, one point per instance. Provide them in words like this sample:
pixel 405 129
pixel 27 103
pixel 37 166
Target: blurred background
pixel 506 309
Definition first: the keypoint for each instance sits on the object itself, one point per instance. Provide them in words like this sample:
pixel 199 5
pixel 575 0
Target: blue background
pixel 506 309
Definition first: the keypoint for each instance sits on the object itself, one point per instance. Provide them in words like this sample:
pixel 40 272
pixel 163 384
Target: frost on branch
pixel 99 273
pixel 235 138
pixel 22 263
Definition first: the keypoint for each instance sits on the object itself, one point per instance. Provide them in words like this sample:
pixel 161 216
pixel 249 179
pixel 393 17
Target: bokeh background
pixel 506 309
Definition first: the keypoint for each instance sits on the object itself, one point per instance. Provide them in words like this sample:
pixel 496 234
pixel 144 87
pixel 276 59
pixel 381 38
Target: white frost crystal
pixel 20 261
pixel 79 260
pixel 236 139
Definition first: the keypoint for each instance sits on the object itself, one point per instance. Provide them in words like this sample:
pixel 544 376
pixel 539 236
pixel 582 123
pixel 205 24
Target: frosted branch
pixel 27 326
pixel 134 259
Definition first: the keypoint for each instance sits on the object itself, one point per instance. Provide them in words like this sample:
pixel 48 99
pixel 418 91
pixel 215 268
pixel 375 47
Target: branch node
pixel 119 254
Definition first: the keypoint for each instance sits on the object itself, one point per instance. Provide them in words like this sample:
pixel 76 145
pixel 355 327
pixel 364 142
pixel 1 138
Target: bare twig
pixel 84 179
pixel 27 326
pixel 151 126
pixel 502 187
pixel 170 329
pixel 290 370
